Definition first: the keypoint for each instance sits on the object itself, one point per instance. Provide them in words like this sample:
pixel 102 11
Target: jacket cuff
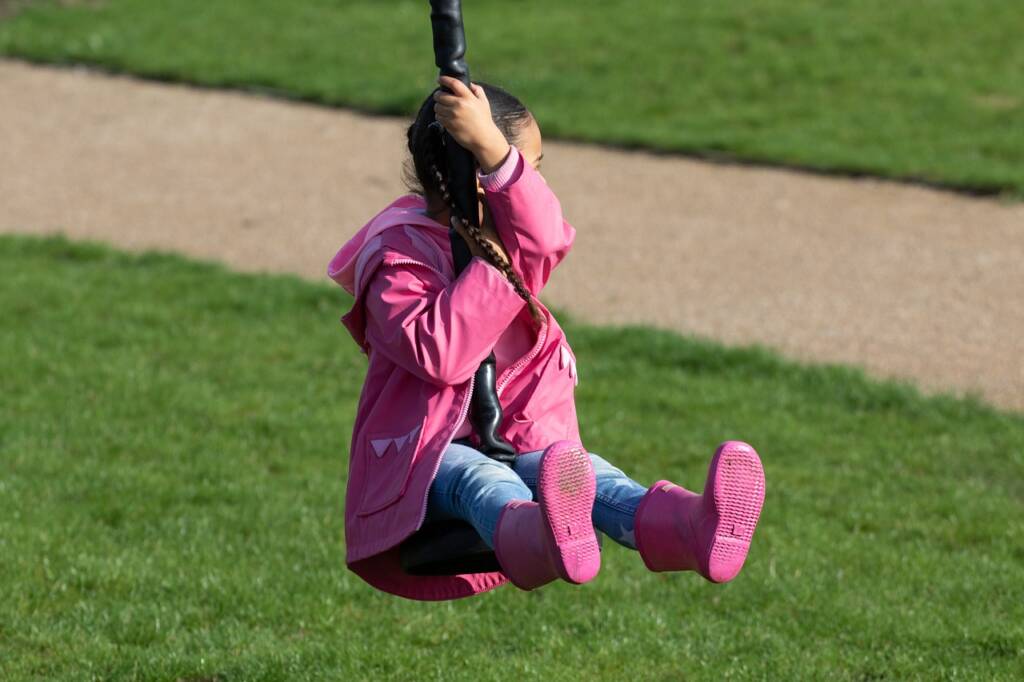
pixel 501 176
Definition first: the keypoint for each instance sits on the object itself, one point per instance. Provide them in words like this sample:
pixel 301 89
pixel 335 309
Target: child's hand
pixel 466 114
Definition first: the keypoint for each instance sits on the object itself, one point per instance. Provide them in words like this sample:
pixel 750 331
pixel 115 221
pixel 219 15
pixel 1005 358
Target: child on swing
pixel 426 331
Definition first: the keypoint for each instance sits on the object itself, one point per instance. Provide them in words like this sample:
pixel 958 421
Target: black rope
pixel 485 413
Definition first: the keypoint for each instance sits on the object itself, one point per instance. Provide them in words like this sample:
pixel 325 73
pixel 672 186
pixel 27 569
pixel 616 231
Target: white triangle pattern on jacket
pixel 380 445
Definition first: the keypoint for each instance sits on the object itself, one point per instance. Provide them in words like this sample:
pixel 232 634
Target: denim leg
pixel 617 499
pixel 473 487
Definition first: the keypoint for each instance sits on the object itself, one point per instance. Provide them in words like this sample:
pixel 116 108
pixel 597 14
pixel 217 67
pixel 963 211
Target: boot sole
pixel 565 489
pixel 736 478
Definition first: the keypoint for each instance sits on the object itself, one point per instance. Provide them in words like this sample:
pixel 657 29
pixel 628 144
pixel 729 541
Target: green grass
pixel 173 442
pixel 930 90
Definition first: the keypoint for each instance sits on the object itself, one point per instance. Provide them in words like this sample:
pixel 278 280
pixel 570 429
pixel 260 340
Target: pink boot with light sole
pixel 538 542
pixel 678 530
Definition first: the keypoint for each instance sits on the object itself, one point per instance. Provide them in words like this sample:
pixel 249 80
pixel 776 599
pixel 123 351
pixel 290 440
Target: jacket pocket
pixel 388 458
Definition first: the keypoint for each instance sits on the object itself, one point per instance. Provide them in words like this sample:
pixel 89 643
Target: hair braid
pixel 493 257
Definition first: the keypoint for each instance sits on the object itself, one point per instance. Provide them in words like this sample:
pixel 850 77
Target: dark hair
pixel 428 175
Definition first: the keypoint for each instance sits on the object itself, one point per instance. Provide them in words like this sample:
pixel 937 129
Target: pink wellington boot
pixel 537 542
pixel 677 530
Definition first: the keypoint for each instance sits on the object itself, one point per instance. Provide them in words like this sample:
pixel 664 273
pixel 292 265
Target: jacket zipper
pixel 410 261
pixel 515 369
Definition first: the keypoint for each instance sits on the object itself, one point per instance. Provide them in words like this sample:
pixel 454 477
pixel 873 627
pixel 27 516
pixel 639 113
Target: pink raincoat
pixel 425 332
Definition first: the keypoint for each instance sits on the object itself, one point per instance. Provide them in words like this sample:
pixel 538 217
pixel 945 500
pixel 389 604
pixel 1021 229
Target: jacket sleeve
pixel 441 333
pixel 528 217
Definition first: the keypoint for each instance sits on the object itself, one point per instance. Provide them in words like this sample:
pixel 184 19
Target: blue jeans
pixel 473 487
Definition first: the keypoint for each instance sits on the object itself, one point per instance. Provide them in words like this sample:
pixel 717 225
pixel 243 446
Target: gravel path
pixel 905 281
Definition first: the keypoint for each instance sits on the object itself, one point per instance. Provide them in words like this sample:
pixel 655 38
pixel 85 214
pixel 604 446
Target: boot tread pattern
pixel 566 489
pixel 738 496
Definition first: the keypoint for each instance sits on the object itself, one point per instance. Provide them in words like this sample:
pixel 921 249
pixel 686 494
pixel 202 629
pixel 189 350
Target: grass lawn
pixel 173 442
pixel 930 90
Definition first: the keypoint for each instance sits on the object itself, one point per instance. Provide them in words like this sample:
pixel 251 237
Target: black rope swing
pixel 454 547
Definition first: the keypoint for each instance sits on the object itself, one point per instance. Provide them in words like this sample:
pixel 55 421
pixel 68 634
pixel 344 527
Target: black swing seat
pixel 447 548
pixel 450 548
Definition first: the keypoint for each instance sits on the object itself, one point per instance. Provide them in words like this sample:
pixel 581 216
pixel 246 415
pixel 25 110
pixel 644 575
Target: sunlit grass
pixel 173 450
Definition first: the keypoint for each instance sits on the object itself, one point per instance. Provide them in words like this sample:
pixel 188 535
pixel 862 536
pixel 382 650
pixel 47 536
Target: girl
pixel 426 331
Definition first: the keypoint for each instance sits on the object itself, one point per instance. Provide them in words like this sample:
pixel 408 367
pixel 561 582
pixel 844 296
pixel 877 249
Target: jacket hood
pixel 345 267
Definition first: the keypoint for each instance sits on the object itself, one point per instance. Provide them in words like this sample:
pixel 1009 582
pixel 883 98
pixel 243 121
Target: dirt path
pixel 904 281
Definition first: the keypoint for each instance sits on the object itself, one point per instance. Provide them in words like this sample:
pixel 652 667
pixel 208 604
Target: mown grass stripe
pixel 870 87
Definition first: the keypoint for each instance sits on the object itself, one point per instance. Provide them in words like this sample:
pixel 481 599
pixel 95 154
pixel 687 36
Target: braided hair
pixel 427 173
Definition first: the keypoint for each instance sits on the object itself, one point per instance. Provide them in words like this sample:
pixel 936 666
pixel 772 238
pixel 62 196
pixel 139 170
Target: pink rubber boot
pixel 537 542
pixel 677 530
